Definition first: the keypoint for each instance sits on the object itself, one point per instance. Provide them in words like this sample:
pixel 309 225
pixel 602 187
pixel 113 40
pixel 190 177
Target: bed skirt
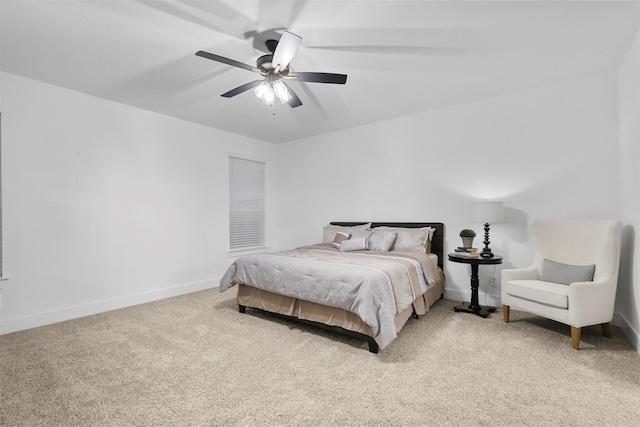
pixel 256 298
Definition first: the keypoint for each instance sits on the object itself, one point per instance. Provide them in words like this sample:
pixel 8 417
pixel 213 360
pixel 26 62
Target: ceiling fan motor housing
pixel 265 62
pixel 271 45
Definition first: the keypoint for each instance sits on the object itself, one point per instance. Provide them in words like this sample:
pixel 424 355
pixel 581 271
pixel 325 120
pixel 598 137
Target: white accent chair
pixel 577 304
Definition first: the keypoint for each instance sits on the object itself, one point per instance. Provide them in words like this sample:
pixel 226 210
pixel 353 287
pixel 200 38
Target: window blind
pixel 246 202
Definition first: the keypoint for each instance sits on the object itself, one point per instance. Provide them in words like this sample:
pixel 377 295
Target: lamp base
pixel 486 253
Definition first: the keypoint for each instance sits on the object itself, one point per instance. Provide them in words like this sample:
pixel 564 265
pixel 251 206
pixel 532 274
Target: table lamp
pixel 488 213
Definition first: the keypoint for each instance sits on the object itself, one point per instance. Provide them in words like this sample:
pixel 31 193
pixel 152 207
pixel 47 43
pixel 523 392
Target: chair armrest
pixel 591 303
pixel 530 273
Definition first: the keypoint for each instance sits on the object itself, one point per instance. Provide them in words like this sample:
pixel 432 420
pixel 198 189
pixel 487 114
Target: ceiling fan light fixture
pixel 264 92
pixel 281 92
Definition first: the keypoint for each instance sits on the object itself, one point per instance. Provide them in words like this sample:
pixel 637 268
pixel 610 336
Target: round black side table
pixel 474 306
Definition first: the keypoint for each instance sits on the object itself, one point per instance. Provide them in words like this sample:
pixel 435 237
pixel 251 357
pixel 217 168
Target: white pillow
pixel 355 245
pixel 360 234
pixel 381 240
pixel 410 239
pixel 339 238
pixel 329 231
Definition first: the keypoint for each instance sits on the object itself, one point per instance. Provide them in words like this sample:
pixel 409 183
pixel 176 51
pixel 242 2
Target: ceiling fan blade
pixel 294 101
pixel 338 79
pixel 227 61
pixel 245 87
pixel 287 47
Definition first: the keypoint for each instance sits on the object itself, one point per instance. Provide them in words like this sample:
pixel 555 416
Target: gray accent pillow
pixel 381 240
pixel 566 274
pixel 339 238
pixel 360 234
pixel 355 245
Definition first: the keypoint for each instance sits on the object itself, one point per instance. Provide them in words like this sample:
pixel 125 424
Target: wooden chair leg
pixel 575 338
pixel 505 313
pixel 605 330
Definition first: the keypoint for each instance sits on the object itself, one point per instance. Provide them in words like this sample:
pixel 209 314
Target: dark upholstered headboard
pixel 437 243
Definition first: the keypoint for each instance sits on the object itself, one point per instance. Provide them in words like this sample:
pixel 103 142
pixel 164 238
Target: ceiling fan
pixel 274 68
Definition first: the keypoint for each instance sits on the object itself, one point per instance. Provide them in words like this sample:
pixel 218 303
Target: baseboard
pixel 465 296
pixel 632 335
pixel 68 313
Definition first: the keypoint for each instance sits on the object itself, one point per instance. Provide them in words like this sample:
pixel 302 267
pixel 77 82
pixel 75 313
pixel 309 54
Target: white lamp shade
pixel 487 212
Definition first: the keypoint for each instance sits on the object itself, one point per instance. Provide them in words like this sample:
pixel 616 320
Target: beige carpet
pixel 194 360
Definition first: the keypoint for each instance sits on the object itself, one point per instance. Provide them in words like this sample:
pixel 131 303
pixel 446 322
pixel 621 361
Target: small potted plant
pixel 467 238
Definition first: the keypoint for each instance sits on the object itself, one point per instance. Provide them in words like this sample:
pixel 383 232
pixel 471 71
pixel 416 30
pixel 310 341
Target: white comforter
pixel 374 285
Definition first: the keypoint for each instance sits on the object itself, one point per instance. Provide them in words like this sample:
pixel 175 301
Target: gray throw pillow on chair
pixel 566 274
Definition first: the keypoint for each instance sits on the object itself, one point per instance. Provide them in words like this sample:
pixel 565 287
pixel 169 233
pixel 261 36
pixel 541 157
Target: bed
pixel 340 285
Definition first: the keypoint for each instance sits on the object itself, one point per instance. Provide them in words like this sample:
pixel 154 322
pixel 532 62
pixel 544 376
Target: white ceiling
pixel 402 57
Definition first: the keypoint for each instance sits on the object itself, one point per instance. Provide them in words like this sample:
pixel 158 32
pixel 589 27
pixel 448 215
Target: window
pixel 246 204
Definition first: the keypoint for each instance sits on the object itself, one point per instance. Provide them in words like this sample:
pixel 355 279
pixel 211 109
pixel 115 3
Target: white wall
pixel 107 205
pixel 628 297
pixel 549 152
